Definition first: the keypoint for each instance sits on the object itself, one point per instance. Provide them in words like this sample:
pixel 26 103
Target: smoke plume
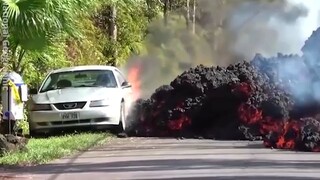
pixel 274 27
pixel 225 33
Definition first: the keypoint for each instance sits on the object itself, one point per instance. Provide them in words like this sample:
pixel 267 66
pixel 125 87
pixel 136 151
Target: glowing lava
pixel 134 79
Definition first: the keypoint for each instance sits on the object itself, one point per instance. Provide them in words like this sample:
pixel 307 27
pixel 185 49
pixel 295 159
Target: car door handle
pixel 128 86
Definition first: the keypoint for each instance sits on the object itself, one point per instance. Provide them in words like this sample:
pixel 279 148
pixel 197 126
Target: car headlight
pixel 40 107
pixel 100 103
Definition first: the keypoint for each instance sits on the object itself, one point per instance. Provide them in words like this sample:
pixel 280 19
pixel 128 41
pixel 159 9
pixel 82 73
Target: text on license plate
pixel 69 115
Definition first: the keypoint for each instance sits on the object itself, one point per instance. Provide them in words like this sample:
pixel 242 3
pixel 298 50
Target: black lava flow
pixel 272 99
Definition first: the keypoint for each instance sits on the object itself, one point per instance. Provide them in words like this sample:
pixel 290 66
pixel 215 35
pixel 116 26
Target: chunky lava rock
pixel 274 99
pixel 9 143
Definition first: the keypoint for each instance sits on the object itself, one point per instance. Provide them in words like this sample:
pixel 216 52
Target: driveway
pixel 153 158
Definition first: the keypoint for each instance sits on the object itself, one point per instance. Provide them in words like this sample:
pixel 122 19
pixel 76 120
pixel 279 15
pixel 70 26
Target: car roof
pixel 85 67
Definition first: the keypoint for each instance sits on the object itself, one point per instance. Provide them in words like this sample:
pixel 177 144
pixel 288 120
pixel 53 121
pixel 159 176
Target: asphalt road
pixel 151 158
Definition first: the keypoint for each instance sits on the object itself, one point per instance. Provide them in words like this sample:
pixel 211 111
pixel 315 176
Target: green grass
pixel 43 150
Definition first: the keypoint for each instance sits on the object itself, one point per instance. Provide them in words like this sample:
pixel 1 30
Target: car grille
pixel 71 122
pixel 70 105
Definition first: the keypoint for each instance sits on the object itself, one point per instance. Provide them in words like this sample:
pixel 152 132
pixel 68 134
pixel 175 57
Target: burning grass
pixel 273 99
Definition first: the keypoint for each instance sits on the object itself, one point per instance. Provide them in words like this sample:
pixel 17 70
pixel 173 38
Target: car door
pixel 126 90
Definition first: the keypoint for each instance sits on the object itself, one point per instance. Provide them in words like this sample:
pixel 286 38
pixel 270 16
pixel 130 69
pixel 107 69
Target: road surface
pixel 152 158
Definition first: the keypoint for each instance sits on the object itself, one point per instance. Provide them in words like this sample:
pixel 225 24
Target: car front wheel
pixel 122 121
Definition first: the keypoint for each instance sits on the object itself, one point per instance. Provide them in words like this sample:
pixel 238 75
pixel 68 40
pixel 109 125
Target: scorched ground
pixel 274 99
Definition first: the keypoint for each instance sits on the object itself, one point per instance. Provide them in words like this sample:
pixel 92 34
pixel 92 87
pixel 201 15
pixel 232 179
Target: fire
pixel 249 114
pixel 181 121
pixel 289 136
pixel 243 89
pixel 134 79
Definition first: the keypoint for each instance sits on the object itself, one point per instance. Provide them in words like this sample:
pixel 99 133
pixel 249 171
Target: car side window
pixel 120 77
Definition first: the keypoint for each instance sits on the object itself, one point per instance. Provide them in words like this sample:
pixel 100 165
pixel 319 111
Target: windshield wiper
pixel 51 89
pixel 91 86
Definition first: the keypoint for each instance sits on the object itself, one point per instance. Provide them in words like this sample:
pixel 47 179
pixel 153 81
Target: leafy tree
pixel 34 24
pixel 40 29
pixel 48 34
pixel 131 22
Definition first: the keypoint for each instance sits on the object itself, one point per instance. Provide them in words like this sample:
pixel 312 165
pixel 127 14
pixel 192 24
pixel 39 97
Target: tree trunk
pixel 194 17
pixel 149 5
pixel 165 11
pixel 17 60
pixel 113 33
pixel 19 64
pixel 219 23
pixel 188 15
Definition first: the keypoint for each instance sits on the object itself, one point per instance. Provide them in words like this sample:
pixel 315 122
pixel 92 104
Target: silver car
pixel 80 96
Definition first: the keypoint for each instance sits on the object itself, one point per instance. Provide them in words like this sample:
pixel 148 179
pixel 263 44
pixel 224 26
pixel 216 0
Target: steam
pixel 310 22
pixel 247 28
pixel 274 27
pixel 295 32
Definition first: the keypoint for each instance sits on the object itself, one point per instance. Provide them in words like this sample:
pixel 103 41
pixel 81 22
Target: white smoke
pixel 272 28
pixel 311 22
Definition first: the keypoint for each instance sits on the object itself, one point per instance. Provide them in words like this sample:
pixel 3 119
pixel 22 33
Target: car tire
pixel 39 134
pixel 122 121
pixel 33 133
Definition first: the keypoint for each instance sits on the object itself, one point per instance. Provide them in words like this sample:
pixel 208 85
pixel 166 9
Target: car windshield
pixel 75 79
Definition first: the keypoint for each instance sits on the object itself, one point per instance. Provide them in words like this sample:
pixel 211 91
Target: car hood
pixel 75 94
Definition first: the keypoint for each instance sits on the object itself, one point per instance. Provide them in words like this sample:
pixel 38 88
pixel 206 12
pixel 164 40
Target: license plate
pixel 69 116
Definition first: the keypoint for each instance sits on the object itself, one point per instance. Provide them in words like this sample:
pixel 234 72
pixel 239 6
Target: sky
pixel 312 21
pixel 274 29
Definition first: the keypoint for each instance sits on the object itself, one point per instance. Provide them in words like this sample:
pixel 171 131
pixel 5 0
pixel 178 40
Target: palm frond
pixel 32 22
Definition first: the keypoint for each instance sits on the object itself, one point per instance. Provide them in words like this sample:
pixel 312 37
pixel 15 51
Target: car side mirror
pixel 125 84
pixel 33 91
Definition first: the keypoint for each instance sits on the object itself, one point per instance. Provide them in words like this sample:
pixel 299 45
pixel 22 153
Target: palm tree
pixel 35 24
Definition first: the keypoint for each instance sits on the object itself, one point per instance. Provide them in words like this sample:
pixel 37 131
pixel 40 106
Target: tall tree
pixel 188 15
pixel 166 11
pixel 194 17
pixel 113 32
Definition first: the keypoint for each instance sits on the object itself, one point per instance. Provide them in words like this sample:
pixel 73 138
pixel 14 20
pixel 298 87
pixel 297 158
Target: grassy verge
pixel 44 150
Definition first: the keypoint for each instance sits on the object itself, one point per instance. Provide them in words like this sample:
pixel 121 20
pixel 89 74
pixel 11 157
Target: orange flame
pixel 134 79
pixel 289 142
pixel 249 114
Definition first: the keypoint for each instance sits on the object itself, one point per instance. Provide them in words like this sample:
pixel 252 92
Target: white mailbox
pixel 13 95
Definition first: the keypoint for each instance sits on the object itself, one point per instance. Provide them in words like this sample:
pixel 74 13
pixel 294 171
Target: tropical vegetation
pixel 48 34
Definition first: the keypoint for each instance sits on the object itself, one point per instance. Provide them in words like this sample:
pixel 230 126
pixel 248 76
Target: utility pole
pixel 194 17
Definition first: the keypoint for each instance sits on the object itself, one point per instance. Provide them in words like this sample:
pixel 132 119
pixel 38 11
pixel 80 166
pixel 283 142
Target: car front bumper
pixel 97 116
